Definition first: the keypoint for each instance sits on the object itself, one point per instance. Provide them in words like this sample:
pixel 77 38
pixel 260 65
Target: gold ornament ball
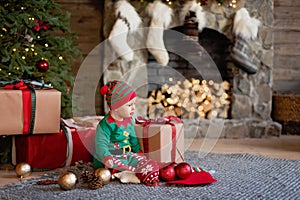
pixel 23 169
pixel 67 180
pixel 104 174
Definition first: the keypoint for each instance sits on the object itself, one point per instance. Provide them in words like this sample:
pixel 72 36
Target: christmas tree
pixel 37 44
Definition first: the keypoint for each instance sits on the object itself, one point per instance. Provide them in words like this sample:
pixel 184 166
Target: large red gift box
pixel 162 139
pixel 16 111
pixel 51 151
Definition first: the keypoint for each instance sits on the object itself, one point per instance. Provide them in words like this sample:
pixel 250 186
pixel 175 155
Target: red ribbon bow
pixel 161 120
pixel 17 86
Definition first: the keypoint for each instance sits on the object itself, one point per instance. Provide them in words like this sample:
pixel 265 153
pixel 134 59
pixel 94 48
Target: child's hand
pixel 108 162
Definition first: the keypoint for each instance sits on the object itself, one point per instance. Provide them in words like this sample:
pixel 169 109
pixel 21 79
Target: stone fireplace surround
pixel 251 95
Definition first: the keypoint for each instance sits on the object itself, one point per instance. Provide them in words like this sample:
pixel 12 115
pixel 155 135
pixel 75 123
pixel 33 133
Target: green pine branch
pixel 31 31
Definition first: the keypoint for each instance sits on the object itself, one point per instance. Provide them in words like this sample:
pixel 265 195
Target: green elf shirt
pixel 113 135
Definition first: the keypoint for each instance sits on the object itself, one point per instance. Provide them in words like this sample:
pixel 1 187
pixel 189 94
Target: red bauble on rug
pixel 183 170
pixel 167 173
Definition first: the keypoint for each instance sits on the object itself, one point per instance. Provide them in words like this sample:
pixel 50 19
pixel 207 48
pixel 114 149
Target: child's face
pixel 126 110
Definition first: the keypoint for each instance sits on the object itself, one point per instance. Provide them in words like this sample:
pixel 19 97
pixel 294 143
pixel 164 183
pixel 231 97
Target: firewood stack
pixel 193 99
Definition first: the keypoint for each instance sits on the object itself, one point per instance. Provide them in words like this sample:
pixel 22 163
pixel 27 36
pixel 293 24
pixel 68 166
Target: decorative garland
pixel 170 2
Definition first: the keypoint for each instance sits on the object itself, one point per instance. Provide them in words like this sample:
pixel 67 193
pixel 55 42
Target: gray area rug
pixel 240 176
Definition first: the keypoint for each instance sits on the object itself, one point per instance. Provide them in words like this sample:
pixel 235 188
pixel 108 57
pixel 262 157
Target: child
pixel 116 144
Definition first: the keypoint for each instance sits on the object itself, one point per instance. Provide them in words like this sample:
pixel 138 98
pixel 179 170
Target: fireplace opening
pixel 218 47
pixel 180 90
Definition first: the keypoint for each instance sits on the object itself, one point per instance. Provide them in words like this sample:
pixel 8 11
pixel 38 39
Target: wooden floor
pixel 287 147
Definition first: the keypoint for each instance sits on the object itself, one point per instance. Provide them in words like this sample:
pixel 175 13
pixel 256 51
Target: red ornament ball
pixel 183 170
pixel 42 66
pixel 103 90
pixel 167 173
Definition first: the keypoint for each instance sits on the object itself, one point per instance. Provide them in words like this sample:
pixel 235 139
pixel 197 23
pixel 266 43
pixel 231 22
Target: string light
pixel 220 2
pixel 170 2
pixel 233 3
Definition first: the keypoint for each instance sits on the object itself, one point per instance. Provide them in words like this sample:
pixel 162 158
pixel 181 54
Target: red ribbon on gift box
pixel 28 99
pixel 163 120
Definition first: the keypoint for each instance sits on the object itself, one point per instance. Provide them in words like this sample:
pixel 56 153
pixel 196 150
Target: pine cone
pixel 95 182
pixel 84 166
pixel 86 175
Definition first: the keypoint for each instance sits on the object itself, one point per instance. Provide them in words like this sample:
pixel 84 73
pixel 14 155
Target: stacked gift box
pixel 32 130
pixel 61 149
pixel 18 112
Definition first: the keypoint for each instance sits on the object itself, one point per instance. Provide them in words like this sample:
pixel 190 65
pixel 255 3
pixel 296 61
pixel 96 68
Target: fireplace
pixel 180 89
pixel 248 113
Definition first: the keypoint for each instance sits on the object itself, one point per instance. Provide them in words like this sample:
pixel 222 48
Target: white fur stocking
pixel 244 25
pixel 161 16
pixel 127 20
pixel 195 7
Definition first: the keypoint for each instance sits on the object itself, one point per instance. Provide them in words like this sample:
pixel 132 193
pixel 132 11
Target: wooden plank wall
pixel 286 73
pixel 86 21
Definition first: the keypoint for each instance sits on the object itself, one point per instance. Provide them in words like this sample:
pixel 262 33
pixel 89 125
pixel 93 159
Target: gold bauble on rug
pixel 23 170
pixel 67 180
pixel 104 174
